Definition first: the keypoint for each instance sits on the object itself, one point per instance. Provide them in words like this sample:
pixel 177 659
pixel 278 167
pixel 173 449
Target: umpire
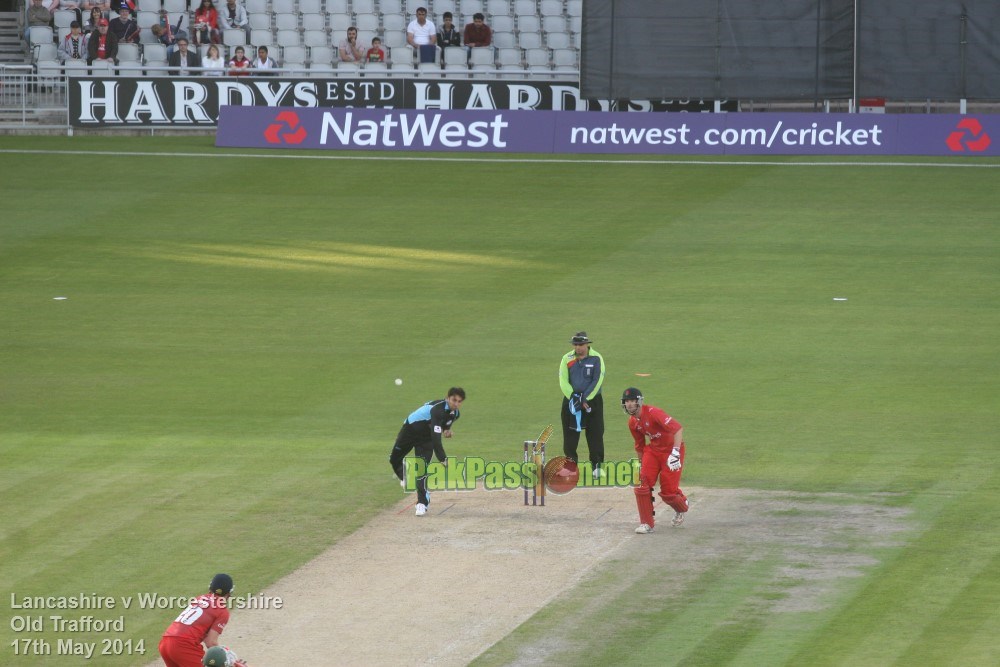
pixel 423 431
pixel 581 374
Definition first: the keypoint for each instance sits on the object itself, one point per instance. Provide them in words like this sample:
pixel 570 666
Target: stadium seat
pixel 148 6
pixel 525 7
pixel 529 40
pixel 146 20
pixel 376 69
pixel 554 24
pixel 550 8
pixel 497 8
pixel 314 21
pixel 367 22
pixel 176 6
pixel 63 17
pixel 315 38
pixel 363 6
pixel 293 56
pixel 339 23
pixel 429 71
pixel 481 56
pixel 575 24
pixel 528 23
pixel 352 69
pixel 509 57
pixel 310 7
pixel 40 34
pixel 234 37
pixel 338 7
pixel 394 23
pixel 323 70
pixel 577 41
pixel 261 37
pixel 442 6
pixel 288 38
pixel 564 58
pixel 411 7
pixel 394 39
pixel 260 21
pixel 131 68
pixel 61 34
pixel 283 6
pixel 256 6
pixel 502 23
pixel 574 7
pixel 504 40
pixel 154 54
pixel 558 40
pixel 76 68
pixel 387 7
pixel 323 55
pixel 455 56
pixel 536 57
pixel 128 52
pixel 41 52
pixel 286 22
pixel 470 7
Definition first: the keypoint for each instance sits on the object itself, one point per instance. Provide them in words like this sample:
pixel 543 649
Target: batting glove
pixel 674 460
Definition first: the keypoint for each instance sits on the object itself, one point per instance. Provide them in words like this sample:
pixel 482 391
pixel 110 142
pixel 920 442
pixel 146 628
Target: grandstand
pixel 538 38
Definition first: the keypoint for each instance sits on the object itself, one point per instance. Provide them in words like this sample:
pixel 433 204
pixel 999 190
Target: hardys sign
pixel 195 102
pixel 611 133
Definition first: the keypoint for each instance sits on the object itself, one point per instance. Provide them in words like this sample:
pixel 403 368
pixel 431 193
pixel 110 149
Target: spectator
pixel 350 49
pixel 74 46
pixel 183 59
pixel 38 17
pixel 103 6
pixel 375 54
pixel 478 33
pixel 51 5
pixel 213 63
pixel 263 62
pixel 167 34
pixel 75 6
pixel 235 16
pixel 95 16
pixel 422 36
pixel 239 64
pixel 206 24
pixel 124 26
pixel 448 35
pixel 102 45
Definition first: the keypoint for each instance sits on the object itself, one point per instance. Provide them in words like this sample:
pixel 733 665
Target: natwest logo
pixel 969 135
pixel 285 129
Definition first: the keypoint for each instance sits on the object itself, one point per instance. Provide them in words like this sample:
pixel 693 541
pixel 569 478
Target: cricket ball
pixel 561 475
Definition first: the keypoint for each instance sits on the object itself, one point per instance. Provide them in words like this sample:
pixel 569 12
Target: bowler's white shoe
pixel 644 529
pixel 421 509
pixel 678 519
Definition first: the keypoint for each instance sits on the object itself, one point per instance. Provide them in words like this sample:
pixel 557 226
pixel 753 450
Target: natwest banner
pixel 611 133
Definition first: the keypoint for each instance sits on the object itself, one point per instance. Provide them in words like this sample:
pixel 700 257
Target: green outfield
pixel 214 391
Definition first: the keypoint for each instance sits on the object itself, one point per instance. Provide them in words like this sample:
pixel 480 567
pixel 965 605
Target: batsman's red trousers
pixel 654 465
pixel 179 653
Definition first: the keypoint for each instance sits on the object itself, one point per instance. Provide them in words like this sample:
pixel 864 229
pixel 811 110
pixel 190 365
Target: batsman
pixel 662 457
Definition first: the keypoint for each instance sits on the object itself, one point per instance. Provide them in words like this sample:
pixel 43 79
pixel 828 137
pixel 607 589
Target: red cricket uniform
pixel 660 428
pixel 181 645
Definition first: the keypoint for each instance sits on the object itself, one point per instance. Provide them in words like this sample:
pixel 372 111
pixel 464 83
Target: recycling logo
pixel 968 136
pixel 285 129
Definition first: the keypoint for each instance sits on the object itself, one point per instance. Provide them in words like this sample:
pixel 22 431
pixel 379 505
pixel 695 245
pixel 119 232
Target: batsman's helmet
pixel 214 657
pixel 222 584
pixel 631 394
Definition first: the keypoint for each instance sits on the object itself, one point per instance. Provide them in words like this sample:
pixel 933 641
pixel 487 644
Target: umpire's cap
pixel 581 338
pixel 222 584
pixel 214 657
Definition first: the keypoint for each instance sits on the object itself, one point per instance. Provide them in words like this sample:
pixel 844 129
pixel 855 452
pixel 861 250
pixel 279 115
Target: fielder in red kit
pixel 662 456
pixel 201 623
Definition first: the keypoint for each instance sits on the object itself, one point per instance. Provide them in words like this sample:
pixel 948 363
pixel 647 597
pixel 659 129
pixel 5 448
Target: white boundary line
pixel 540 160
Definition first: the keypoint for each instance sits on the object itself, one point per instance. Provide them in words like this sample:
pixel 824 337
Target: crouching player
pixel 662 456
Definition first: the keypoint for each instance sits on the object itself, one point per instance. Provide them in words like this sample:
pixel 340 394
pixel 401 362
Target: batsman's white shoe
pixel 644 529
pixel 421 509
pixel 678 519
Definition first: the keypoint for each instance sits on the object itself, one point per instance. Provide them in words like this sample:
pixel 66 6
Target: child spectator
pixel 239 64
pixel 448 35
pixel 263 62
pixel 74 46
pixel 375 54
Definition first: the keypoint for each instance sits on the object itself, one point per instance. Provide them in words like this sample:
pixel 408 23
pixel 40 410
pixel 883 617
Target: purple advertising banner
pixel 608 133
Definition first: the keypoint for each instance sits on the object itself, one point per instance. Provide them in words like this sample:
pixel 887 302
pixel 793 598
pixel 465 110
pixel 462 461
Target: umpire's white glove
pixel 674 460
